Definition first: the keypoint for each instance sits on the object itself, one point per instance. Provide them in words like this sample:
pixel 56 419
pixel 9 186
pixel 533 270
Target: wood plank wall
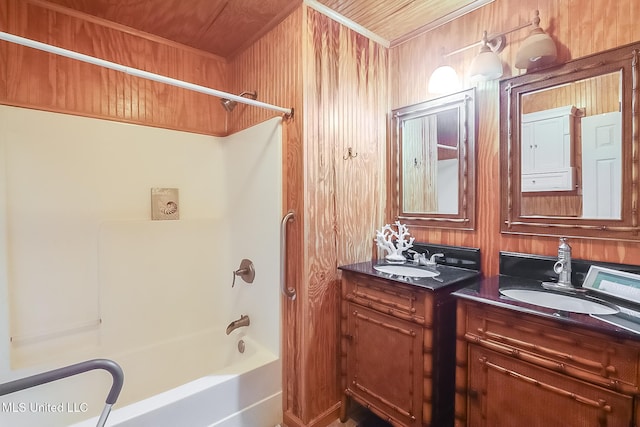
pixel 35 79
pixel 338 88
pixel 579 28
pixel 273 67
pixel 346 96
pixel 597 95
pixel 4 19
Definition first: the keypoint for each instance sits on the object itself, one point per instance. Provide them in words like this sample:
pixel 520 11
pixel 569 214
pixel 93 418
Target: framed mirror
pixel 569 148
pixel 433 162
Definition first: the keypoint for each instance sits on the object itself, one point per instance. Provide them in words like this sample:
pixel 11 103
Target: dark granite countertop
pixel 448 276
pixel 487 291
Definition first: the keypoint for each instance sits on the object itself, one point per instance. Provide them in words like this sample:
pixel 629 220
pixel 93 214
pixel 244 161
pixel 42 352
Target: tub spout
pixel 242 321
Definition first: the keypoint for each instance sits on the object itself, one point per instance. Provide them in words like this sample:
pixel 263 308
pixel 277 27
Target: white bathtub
pixel 218 386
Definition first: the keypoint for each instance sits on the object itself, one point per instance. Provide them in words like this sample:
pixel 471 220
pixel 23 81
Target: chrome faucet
pixel 423 259
pixel 242 321
pixel 562 268
pixel 419 258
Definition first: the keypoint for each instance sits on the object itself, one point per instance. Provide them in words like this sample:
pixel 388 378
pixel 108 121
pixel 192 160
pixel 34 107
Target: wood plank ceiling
pixel 226 27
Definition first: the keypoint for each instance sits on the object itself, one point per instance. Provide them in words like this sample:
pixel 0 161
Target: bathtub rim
pixel 261 358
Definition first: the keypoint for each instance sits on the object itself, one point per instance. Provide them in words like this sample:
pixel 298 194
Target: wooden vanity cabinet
pixel 398 350
pixel 518 369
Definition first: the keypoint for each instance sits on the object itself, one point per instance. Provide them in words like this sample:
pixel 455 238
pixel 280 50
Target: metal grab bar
pixel 68 371
pixel 286 291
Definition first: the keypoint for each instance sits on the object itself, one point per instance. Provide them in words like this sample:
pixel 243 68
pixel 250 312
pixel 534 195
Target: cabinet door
pixel 546 145
pixel 505 392
pixel 384 364
pixel 550 145
pixel 527 151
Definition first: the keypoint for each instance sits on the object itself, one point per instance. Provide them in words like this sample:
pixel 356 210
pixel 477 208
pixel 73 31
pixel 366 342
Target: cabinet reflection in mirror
pixel 572 149
pixel 568 135
pixel 433 162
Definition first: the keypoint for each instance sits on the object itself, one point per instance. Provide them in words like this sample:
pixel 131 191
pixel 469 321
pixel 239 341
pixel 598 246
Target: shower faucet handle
pixel 245 271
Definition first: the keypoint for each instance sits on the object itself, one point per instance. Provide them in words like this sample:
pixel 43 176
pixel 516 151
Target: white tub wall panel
pixel 255 211
pixel 158 280
pixel 64 177
pixel 50 218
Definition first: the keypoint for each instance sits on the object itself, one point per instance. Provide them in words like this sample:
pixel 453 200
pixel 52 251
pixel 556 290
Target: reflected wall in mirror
pixel 433 162
pixel 567 141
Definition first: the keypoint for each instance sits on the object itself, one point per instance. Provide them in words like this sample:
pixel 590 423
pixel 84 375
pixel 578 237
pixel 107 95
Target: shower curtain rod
pixel 288 112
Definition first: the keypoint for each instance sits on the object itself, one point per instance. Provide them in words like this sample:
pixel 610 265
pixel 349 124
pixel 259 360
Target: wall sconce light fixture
pixel 487 65
pixel 444 79
pixel 536 51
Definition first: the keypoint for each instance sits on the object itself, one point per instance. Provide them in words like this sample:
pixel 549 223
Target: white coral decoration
pixel 385 240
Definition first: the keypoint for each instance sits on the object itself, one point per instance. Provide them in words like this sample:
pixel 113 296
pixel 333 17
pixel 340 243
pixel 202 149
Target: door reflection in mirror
pixel 430 162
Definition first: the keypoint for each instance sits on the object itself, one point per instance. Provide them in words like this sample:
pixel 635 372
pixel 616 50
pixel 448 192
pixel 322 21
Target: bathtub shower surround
pixel 152 295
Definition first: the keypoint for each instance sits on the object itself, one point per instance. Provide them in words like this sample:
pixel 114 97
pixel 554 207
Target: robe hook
pixel 350 154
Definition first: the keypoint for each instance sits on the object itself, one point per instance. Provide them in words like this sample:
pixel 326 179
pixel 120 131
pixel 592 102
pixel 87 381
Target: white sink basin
pixel 405 270
pixel 561 302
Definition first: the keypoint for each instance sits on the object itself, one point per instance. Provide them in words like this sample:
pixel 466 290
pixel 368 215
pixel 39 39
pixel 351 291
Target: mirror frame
pixel 623 59
pixel 466 216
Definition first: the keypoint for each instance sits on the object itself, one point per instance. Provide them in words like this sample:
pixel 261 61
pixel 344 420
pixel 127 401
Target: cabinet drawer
pixel 388 297
pixel 548 181
pixel 577 352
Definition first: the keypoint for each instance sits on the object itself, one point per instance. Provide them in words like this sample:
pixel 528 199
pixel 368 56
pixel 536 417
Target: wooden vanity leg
pixel 344 408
